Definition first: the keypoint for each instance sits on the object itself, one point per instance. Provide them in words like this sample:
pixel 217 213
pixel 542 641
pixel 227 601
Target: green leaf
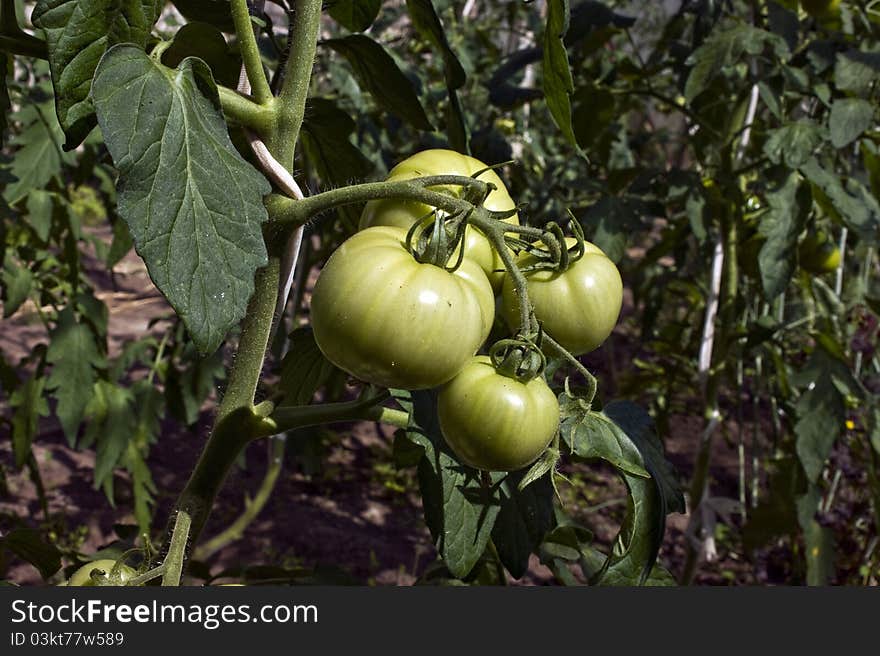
pixel 590 435
pixel 724 48
pixel 72 354
pixel 193 205
pixel 110 429
pixel 637 424
pixel 377 73
pixel 856 71
pixel 38 157
pixel 524 519
pixel 789 204
pixel 17 284
pixel 208 44
pixel 326 138
pixel 612 220
pixel 149 404
pixel 850 117
pixel 40 211
pixel 29 545
pixel 793 144
pixel 354 15
pixel 77 34
pixel 558 84
pixel 186 389
pixel 427 22
pixel 459 511
pixel 304 369
pixel 29 404
pixel 821 412
pixel 856 205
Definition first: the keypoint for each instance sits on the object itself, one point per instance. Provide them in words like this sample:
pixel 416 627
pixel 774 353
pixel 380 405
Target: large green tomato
pixel 82 576
pixel 403 214
pixel 493 422
pixel 578 307
pixel 387 319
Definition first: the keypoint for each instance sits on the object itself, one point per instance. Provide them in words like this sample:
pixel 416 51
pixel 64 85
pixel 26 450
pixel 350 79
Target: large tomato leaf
pixel 459 511
pixel 793 144
pixel 850 117
pixel 558 83
pixel 29 405
pixel 379 75
pixel 193 205
pixel 523 521
pixel 354 15
pixel 78 32
pixel 854 204
pixel 788 207
pixel 304 369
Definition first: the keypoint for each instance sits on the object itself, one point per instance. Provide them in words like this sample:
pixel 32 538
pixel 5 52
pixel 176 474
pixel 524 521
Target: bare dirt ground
pixel 353 513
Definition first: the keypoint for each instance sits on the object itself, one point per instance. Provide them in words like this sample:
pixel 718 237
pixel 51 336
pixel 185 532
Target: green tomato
pixel 82 576
pixel 402 214
pixel 578 307
pixel 387 319
pixel 818 253
pixel 493 422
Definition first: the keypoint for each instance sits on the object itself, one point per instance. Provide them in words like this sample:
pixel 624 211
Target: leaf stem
pixel 244 111
pixel 250 51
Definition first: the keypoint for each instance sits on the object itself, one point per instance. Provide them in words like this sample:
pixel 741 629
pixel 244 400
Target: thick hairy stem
pixel 291 417
pixel 250 51
pixel 173 567
pixel 297 75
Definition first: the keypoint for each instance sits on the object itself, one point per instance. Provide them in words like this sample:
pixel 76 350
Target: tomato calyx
pixel 436 238
pixel 519 358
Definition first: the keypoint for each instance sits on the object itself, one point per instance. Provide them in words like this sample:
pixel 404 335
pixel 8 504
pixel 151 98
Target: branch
pixel 250 51
pixel 244 111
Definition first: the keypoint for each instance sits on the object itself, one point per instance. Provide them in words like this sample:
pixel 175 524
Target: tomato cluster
pixel 388 319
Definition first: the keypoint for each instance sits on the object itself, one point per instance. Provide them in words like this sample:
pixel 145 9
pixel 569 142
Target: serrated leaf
pixel 459 511
pixel 523 520
pixel 40 209
pixel 354 15
pixel 593 435
pixel 149 403
pixel 821 413
pixel 611 221
pixel 726 47
pixel 788 207
pixel 304 369
pixel 855 204
pixel 110 429
pixel 379 75
pixel 38 157
pixel 193 205
pixel 29 545
pixel 29 405
pixel 558 84
pixel 77 34
pixel 186 389
pixel 856 71
pixel 850 117
pixel 17 284
pixel 72 354
pixel 793 144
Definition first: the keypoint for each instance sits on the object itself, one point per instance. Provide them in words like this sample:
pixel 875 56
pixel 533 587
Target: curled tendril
pixel 519 358
pixel 552 253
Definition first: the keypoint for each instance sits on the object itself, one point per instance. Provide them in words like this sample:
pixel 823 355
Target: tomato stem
pixel 173 568
pixel 290 417
pixel 250 51
pixel 592 384
pixel 243 110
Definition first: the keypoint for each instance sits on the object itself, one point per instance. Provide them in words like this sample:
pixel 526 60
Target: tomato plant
pixel 495 422
pixel 281 225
